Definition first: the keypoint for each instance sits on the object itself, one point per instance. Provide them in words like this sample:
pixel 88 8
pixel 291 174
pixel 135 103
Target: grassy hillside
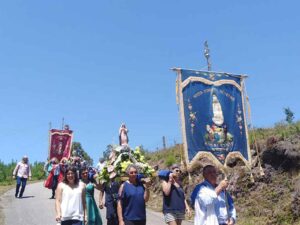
pixel 273 198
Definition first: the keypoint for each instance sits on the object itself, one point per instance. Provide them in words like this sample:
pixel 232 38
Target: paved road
pixel 35 208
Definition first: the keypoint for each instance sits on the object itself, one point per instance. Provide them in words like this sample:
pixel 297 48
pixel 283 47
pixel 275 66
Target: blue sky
pixel 100 63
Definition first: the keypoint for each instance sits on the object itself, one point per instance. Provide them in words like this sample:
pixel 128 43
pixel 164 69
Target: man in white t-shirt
pixel 213 204
pixel 22 172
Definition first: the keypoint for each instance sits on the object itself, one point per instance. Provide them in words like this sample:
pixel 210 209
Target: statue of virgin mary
pixel 218 118
pixel 123 135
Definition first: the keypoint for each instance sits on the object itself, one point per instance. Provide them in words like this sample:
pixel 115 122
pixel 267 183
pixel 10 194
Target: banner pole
pixel 254 136
pixel 179 101
pixel 49 139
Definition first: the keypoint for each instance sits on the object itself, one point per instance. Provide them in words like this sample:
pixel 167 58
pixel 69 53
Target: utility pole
pixel 164 142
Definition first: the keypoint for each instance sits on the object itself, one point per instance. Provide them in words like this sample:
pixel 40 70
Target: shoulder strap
pixel 194 194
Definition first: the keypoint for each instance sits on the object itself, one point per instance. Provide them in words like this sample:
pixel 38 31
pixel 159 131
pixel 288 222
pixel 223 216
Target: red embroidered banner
pixel 60 143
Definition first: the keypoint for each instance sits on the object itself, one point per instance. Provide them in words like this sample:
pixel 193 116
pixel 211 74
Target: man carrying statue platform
pixel 212 203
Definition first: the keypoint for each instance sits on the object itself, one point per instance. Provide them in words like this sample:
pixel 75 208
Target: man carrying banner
pixel 213 205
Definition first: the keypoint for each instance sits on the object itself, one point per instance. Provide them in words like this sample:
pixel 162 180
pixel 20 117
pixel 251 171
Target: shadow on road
pixel 30 196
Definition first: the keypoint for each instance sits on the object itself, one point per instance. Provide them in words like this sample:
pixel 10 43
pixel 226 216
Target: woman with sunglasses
pixel 174 202
pixel 70 199
pixel 133 196
pixel 92 212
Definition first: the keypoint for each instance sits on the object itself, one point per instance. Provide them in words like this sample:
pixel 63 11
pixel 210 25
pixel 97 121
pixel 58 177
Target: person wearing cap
pixel 212 203
pixel 174 203
pixel 110 189
pixel 22 172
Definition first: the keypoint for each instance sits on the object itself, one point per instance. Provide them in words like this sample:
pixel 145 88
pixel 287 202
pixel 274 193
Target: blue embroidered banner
pixel 214 118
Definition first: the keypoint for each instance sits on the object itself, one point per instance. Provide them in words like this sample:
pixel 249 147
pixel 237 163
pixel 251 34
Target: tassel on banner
pixel 251 177
pixel 261 170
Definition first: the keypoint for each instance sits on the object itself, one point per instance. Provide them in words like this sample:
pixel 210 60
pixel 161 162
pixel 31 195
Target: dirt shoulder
pixel 3 189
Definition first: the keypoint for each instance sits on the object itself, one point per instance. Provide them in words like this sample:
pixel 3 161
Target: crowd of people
pixel 125 202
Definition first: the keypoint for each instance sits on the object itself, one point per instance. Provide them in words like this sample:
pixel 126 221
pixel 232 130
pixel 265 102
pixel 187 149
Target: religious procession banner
pixel 60 143
pixel 212 115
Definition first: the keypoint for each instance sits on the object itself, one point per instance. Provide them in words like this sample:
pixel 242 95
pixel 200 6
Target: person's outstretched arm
pixel 166 186
pixel 147 193
pixel 58 197
pixel 119 207
pixel 84 205
pixel 101 194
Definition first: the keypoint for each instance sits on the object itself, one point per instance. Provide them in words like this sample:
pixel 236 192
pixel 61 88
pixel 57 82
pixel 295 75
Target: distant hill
pixel 273 198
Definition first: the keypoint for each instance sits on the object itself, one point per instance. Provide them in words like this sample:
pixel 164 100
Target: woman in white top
pixel 70 199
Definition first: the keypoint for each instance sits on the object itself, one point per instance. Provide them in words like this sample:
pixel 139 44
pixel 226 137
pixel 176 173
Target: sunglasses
pixel 133 172
pixel 84 173
pixel 177 171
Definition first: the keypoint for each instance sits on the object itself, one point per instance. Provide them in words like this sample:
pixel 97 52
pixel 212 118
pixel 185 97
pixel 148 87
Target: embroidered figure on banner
pixel 217 137
pixel 60 146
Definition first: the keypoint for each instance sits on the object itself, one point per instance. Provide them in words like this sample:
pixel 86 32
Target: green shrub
pixel 6 171
pixel 170 160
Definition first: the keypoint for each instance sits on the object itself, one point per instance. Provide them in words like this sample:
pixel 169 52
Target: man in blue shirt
pixel 111 190
pixel 213 204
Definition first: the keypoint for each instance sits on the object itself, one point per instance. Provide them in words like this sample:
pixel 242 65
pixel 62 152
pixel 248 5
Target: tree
pixel 107 151
pixel 77 148
pixel 289 115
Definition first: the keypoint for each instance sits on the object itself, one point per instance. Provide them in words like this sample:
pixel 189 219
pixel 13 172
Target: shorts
pixel 135 222
pixel 71 222
pixel 172 216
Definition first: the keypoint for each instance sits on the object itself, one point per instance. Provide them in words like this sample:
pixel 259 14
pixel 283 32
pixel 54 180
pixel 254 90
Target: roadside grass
pixel 280 130
pixel 4 189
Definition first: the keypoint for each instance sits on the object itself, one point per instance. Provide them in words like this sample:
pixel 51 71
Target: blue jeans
pixel 21 181
pixel 54 184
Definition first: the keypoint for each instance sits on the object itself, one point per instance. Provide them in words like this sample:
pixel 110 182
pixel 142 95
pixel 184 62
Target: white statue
pixel 123 135
pixel 218 118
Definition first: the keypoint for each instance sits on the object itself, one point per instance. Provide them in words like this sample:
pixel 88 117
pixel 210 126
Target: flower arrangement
pixel 119 159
